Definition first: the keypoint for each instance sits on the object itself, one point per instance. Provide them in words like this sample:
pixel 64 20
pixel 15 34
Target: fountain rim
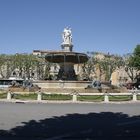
pixel 66 54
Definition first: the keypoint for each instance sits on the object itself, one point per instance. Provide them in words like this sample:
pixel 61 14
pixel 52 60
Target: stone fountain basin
pixel 69 57
pixel 70 86
pixel 61 84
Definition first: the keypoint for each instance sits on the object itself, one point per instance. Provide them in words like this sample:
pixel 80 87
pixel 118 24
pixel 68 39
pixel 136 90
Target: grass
pixel 3 95
pixel 138 97
pixel 56 97
pixel 95 98
pixel 33 96
pixel 120 98
pixel 25 96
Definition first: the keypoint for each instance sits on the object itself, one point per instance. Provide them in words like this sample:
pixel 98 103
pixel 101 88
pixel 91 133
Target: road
pixel 55 121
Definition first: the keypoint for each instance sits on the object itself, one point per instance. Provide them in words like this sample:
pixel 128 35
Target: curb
pixel 65 102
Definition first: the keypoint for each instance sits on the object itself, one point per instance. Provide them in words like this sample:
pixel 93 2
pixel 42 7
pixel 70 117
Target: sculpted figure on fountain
pixel 67 36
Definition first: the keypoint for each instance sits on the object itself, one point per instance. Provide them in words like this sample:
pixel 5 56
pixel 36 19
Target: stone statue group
pixel 67 36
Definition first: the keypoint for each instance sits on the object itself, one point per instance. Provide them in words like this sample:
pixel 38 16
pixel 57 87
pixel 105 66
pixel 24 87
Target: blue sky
pixel 97 25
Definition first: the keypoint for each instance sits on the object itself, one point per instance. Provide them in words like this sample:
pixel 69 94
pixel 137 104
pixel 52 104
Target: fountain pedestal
pixel 67 47
pixel 66 72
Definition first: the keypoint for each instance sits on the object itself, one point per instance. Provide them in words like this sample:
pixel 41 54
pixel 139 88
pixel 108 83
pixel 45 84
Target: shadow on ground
pixel 104 125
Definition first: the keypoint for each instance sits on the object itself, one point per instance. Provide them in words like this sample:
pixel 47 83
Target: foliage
pixel 88 69
pixel 132 63
pixel 109 64
pixel 2 64
pixel 23 65
pixel 101 64
pixel 135 58
pixel 129 69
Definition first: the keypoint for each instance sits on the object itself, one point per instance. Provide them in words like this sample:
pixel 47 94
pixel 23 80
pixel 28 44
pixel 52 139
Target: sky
pixel 107 26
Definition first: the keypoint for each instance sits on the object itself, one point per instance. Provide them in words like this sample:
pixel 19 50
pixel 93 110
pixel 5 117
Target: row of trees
pixel 102 66
pixel 109 63
pixel 23 66
pixel 28 65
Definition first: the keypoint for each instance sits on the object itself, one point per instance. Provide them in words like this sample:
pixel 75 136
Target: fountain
pixel 66 58
pixel 67 80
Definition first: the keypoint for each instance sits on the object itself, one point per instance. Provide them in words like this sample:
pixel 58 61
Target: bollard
pixel 74 97
pixel 106 98
pixel 9 95
pixel 39 96
pixel 134 96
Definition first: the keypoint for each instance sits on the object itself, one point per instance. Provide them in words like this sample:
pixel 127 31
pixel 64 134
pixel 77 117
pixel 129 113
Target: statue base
pixel 67 47
pixel 66 72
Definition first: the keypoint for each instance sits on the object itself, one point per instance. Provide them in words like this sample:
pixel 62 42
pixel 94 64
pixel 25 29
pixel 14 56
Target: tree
pixel 3 59
pixel 29 63
pixel 132 63
pixel 135 58
pixel 88 68
pixel 129 69
pixel 107 64
pixel 24 66
pixel 6 65
pixel 102 65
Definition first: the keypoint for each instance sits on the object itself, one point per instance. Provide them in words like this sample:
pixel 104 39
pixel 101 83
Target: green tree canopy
pixel 135 59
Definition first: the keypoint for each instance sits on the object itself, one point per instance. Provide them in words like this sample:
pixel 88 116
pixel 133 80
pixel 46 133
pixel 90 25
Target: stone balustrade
pixel 106 95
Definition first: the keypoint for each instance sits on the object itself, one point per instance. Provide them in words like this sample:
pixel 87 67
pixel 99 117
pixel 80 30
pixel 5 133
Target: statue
pixel 94 84
pixel 67 36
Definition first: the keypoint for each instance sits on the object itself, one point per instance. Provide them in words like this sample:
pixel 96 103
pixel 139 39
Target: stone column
pixel 39 95
pixel 106 98
pixel 9 95
pixel 74 97
pixel 134 96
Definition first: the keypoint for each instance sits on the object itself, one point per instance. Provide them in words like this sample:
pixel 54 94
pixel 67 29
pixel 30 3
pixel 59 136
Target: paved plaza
pixel 56 121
